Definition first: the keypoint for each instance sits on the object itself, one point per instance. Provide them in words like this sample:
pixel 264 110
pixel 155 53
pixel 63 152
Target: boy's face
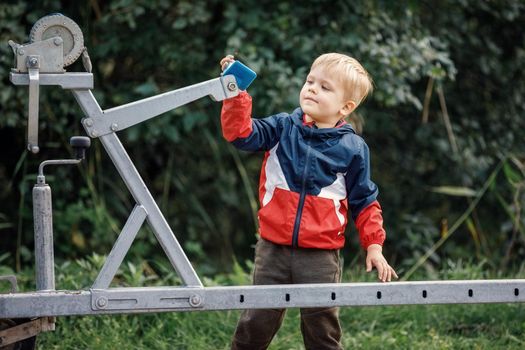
pixel 322 98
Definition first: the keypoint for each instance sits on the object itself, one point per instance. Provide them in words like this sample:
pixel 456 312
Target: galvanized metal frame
pixel 164 299
pixel 192 296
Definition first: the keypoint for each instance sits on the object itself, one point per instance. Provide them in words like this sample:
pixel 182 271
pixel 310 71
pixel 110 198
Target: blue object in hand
pixel 242 74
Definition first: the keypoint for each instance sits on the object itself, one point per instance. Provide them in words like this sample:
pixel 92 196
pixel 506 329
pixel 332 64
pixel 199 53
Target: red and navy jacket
pixel 310 177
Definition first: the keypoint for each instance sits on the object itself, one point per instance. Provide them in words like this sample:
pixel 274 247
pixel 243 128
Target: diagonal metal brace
pixel 121 247
pixel 140 192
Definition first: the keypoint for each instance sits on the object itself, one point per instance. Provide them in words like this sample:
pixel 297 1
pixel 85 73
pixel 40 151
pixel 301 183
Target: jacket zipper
pixel 297 224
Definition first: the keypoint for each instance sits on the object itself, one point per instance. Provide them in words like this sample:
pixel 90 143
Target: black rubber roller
pixel 80 144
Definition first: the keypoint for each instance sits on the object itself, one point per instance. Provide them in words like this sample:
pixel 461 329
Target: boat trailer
pixel 56 42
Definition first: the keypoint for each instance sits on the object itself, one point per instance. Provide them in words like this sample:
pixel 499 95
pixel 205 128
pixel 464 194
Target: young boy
pixel 314 170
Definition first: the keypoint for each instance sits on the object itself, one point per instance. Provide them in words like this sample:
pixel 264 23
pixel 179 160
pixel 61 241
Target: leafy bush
pixel 447 108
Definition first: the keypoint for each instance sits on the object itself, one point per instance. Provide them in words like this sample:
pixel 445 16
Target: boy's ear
pixel 348 108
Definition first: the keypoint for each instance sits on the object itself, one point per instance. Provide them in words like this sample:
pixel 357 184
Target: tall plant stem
pixel 426 103
pixel 458 222
pixel 446 120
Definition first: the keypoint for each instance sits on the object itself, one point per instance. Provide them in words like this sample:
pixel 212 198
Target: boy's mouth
pixel 310 99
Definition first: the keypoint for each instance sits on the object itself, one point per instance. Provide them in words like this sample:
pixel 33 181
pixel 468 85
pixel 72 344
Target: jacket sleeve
pixel 369 224
pixel 362 194
pixel 246 133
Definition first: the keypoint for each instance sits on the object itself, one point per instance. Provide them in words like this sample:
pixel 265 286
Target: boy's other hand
pixel 226 61
pixel 375 258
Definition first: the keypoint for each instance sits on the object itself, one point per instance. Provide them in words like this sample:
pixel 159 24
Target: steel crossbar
pixel 164 299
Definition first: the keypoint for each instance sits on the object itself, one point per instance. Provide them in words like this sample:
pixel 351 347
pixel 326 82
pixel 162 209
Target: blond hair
pixel 356 80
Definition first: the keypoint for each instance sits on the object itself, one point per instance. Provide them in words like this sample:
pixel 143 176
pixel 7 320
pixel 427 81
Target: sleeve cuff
pixel 369 224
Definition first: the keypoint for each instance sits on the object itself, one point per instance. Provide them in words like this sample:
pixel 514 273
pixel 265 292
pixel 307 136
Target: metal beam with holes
pixel 164 299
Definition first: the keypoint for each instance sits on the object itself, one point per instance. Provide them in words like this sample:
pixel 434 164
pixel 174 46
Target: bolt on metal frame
pixel 193 296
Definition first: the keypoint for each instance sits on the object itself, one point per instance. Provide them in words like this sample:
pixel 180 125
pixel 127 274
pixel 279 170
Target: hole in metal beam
pixel 242 299
pixel 287 297
pixel 516 291
pixel 424 294
pixel 333 296
pixel 470 293
pixel 378 295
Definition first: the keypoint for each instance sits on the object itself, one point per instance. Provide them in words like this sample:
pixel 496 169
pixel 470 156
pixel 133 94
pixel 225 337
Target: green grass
pixel 494 326
pixel 402 327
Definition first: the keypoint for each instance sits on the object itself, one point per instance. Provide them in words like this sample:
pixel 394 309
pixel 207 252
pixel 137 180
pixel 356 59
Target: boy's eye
pixel 324 87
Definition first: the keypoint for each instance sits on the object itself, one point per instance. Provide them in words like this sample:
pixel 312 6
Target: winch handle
pixel 80 144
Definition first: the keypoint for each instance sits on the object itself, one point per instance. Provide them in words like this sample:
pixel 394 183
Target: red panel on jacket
pixel 320 226
pixel 276 219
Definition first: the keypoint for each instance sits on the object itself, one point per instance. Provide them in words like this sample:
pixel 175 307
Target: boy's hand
pixel 226 60
pixel 375 258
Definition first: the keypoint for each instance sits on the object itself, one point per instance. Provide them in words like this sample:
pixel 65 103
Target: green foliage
pixel 448 106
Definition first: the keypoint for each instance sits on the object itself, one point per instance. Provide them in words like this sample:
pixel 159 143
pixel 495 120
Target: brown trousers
pixel 278 264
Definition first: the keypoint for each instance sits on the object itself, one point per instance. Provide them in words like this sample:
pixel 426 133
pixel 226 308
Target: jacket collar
pixel 340 129
pixel 312 123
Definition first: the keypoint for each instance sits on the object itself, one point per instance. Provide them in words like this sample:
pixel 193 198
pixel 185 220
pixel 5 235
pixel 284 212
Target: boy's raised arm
pixel 236 117
pixel 240 129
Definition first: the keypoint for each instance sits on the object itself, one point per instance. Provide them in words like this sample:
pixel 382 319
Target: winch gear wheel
pixel 64 27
